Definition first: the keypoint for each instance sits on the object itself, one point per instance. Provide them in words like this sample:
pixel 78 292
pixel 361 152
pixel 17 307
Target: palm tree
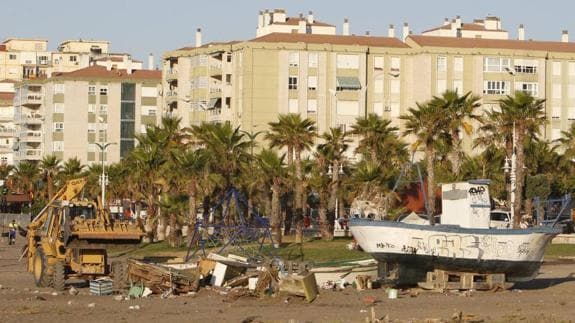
pixel 26 176
pixel 273 167
pixel 72 168
pixel 332 150
pixel 297 135
pixel 459 110
pixel 428 124
pixel 173 207
pixel 375 134
pixel 50 166
pixel 189 167
pixel 567 142
pixel 526 115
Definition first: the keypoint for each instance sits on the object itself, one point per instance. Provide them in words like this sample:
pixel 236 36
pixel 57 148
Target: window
pixel 458 64
pixel 531 88
pixel 441 86
pixel 348 108
pixel 496 87
pixel 203 60
pixel 91 108
pixel 556 68
pixel 312 83
pixel 58 126
pixel 293 59
pixel 202 82
pixel 12 57
pixel 58 146
pixel 102 135
pixel 92 127
pixel 556 112
pixel 557 91
pixel 43 60
pixel 312 106
pixel 312 59
pixel 92 148
pixel 228 79
pixel 348 61
pixel 59 88
pixel 103 109
pixel 555 134
pixel 441 64
pixel 458 86
pixel 572 68
pixel 496 64
pixel 73 58
pixel 293 106
pixel 149 91
pixel 378 86
pixel 394 86
pixel 395 64
pixel 378 108
pixel 378 63
pixel 525 66
pixel 229 57
pixel 292 83
pixel 394 109
pixel 91 90
pixel 104 90
pixel 59 107
pixel 342 127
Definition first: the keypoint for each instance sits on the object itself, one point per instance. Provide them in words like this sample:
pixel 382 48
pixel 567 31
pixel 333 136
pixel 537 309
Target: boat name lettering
pixel 383 245
pixel 523 249
pixel 477 190
pixel 409 249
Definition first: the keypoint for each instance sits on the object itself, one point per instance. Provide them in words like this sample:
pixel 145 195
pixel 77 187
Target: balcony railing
pixel 31 136
pixel 6 117
pixel 171 96
pixel 32 99
pixel 171 75
pixel 33 154
pixel 33 118
pixel 6 132
pixel 6 148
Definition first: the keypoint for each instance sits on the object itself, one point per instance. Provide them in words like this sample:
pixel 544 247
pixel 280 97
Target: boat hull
pixel 422 248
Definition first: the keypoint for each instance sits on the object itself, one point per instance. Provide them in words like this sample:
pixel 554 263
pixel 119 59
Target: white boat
pixel 462 242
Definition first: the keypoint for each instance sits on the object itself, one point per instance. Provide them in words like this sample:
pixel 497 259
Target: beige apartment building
pixel 333 79
pixel 7 131
pixel 68 113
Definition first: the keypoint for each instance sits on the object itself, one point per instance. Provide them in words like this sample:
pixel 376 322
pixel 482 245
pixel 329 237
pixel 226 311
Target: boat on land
pixel 463 242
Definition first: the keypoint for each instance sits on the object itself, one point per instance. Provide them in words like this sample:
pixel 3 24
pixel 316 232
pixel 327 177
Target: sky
pixel 140 27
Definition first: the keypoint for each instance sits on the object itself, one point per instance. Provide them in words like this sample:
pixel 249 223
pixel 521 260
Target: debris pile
pixel 161 279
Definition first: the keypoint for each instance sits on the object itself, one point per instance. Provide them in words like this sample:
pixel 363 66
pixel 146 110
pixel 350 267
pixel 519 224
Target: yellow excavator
pixel 69 239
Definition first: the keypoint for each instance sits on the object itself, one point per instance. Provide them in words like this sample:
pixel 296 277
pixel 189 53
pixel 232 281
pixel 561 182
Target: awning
pixel 213 103
pixel 348 83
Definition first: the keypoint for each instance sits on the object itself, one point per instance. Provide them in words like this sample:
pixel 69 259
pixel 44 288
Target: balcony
pixel 32 100
pixel 34 118
pixel 171 97
pixel 6 117
pixel 32 154
pixel 6 149
pixel 171 75
pixel 6 133
pixel 31 136
pixel 215 69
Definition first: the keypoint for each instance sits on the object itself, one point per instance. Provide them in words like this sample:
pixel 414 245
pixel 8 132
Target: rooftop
pixel 331 39
pixel 114 74
pixel 548 46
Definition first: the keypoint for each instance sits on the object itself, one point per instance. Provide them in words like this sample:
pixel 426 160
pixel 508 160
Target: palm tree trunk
pixel 276 214
pixel 333 197
pixel 50 185
pixel 325 220
pixel 298 198
pixel 192 206
pixel 520 177
pixel 430 157
pixel 173 236
pixel 455 153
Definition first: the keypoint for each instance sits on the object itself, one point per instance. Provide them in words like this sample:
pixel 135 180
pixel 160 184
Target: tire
pixel 120 275
pixel 42 277
pixel 59 277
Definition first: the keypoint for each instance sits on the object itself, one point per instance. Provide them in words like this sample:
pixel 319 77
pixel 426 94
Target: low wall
pixel 564 239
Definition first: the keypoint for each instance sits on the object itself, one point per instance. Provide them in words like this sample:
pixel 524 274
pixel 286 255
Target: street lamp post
pixel 103 177
pixel 335 178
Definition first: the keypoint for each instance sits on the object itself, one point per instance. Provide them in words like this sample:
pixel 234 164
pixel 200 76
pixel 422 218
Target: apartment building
pixel 333 79
pixel 7 131
pixel 22 58
pixel 68 113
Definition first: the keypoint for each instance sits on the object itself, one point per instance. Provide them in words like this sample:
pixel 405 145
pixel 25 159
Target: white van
pixel 500 219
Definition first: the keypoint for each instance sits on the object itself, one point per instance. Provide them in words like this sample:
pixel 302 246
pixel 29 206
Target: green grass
pixel 560 250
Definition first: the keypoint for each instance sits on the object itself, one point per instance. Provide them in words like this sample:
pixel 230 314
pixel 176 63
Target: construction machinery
pixel 69 239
